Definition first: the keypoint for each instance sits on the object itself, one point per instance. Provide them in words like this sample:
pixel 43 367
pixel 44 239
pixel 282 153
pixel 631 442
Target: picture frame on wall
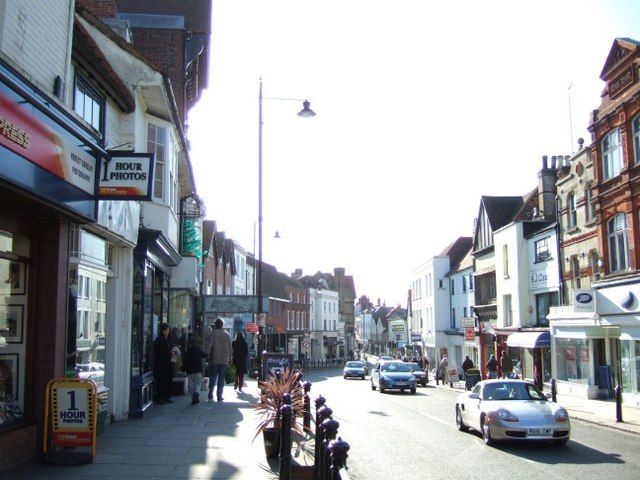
pixel 12 323
pixel 17 278
pixel 9 376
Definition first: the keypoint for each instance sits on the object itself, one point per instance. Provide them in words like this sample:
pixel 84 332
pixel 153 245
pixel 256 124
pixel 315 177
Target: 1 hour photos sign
pixel 126 176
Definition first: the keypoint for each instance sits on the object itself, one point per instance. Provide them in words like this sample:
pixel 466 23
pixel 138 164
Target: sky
pixel 422 107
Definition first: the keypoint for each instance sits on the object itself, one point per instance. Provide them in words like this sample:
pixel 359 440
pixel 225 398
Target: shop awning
pixel 529 339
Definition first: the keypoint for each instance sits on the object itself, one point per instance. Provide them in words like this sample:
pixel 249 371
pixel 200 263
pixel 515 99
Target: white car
pixel 92 370
pixel 512 410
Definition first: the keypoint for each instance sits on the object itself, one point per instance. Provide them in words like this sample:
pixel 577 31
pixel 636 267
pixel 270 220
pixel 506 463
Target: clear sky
pixel 422 107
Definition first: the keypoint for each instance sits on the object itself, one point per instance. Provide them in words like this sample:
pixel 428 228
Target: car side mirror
pixel 474 396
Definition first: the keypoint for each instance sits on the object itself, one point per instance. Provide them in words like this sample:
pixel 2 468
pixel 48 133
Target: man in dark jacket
pixel 162 366
pixel 506 364
pixel 192 365
pixel 467 364
pixel 492 366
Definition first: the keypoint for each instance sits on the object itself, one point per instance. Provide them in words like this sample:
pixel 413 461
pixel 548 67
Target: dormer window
pixel 89 103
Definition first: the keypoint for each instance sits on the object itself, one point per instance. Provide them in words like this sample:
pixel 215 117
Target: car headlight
pixel 561 415
pixel 506 416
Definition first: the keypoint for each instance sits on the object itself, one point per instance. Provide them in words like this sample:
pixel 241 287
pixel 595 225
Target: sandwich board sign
pixel 71 414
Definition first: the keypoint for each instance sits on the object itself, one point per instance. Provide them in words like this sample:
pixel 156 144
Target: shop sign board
pixel 126 176
pixel 468 322
pixel 416 336
pixel 24 133
pixel 584 300
pixel 72 409
pixel 252 328
pixel 469 334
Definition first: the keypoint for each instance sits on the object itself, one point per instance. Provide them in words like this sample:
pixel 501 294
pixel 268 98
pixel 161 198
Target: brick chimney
pixel 297 274
pixel 547 190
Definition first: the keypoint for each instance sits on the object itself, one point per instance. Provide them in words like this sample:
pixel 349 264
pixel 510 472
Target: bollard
pixel 330 428
pixel 306 420
pixel 338 450
pixel 320 412
pixel 553 390
pixel 285 443
pixel 618 392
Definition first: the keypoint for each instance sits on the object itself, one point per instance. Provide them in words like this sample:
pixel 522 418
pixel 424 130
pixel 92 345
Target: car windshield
pixel 512 391
pixel 354 365
pixel 394 367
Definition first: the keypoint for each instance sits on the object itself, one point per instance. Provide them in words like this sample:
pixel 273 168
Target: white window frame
pixel 611 154
pixel 635 128
pixel 155 145
pixel 618 241
pixel 508 310
pixel 572 214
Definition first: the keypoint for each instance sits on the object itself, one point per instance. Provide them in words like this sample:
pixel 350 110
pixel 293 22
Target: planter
pixel 271 437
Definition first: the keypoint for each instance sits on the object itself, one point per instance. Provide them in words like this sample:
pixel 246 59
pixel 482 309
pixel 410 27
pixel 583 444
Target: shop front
pixel 47 182
pixel 530 354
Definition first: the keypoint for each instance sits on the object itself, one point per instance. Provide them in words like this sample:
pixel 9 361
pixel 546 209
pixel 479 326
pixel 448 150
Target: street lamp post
pixel 305 112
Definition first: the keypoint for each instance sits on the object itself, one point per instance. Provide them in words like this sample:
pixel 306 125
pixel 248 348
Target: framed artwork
pixel 17 278
pixel 9 375
pixel 12 323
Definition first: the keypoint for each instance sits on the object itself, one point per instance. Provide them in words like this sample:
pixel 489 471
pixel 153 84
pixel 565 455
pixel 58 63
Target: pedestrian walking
pixel 492 366
pixel 442 372
pixel 240 352
pixel 219 359
pixel 467 364
pixel 162 370
pixel 192 366
pixel 506 365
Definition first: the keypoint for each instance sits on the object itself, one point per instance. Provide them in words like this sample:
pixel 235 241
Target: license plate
pixel 401 383
pixel 539 431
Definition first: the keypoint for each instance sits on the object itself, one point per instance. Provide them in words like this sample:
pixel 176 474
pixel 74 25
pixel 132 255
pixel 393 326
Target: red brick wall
pixel 100 8
pixel 166 49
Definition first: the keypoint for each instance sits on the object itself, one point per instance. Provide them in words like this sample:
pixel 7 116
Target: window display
pixel 572 359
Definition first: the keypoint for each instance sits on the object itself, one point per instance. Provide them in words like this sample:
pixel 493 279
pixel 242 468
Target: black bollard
pixel 330 428
pixel 306 420
pixel 553 390
pixel 322 412
pixel 338 450
pixel 618 392
pixel 285 443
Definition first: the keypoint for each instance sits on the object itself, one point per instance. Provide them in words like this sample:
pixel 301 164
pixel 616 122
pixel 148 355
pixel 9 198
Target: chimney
pixel 338 272
pixel 297 274
pixel 101 8
pixel 547 189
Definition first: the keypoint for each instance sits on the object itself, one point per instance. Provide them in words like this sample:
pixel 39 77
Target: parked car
pixel 354 369
pixel 385 357
pixel 92 370
pixel 422 377
pixel 393 375
pixel 512 410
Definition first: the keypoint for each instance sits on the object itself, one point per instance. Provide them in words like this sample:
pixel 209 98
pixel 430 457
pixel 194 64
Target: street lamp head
pixel 306 110
pixel 277 235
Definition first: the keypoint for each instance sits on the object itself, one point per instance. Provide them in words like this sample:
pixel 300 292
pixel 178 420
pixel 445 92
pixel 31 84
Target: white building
pixel 323 310
pixel 461 290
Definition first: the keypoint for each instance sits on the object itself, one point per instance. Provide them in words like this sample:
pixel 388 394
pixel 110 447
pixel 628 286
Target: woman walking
pixel 240 352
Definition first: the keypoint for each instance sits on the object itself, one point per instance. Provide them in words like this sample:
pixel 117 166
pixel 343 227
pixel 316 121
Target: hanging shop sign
pixel 126 176
pixel 469 334
pixel 71 413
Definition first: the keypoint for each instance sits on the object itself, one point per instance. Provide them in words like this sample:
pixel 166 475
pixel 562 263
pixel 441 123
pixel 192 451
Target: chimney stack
pixel 547 189
pixel 297 274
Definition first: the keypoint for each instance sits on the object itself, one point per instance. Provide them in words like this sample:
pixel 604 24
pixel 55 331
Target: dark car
pixel 393 375
pixel 422 377
pixel 354 369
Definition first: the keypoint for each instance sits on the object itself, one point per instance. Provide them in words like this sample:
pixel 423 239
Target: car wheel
pixel 424 384
pixel 459 423
pixel 373 387
pixel 562 442
pixel 381 389
pixel 486 431
pixel 362 377
pixel 413 391
pixel 344 376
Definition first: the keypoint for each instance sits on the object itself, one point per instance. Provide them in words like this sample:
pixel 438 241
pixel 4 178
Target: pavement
pixel 210 440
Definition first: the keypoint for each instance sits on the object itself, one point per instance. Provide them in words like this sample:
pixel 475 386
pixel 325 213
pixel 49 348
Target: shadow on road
pixel 546 452
pixel 377 412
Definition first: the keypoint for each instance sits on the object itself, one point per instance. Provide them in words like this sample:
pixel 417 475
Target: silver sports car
pixel 512 410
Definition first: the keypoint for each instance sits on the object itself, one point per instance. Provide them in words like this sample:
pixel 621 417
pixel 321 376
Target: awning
pixel 529 339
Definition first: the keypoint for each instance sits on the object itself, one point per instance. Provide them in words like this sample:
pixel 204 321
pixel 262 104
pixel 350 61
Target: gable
pixel 621 50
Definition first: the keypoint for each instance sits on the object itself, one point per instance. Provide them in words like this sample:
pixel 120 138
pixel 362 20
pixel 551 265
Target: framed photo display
pixel 8 376
pixel 12 323
pixel 13 279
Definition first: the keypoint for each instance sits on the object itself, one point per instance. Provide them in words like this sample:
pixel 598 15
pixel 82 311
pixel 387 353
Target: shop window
pixel 575 270
pixel 618 243
pixel 630 365
pixel 89 102
pixel 572 360
pixel 611 154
